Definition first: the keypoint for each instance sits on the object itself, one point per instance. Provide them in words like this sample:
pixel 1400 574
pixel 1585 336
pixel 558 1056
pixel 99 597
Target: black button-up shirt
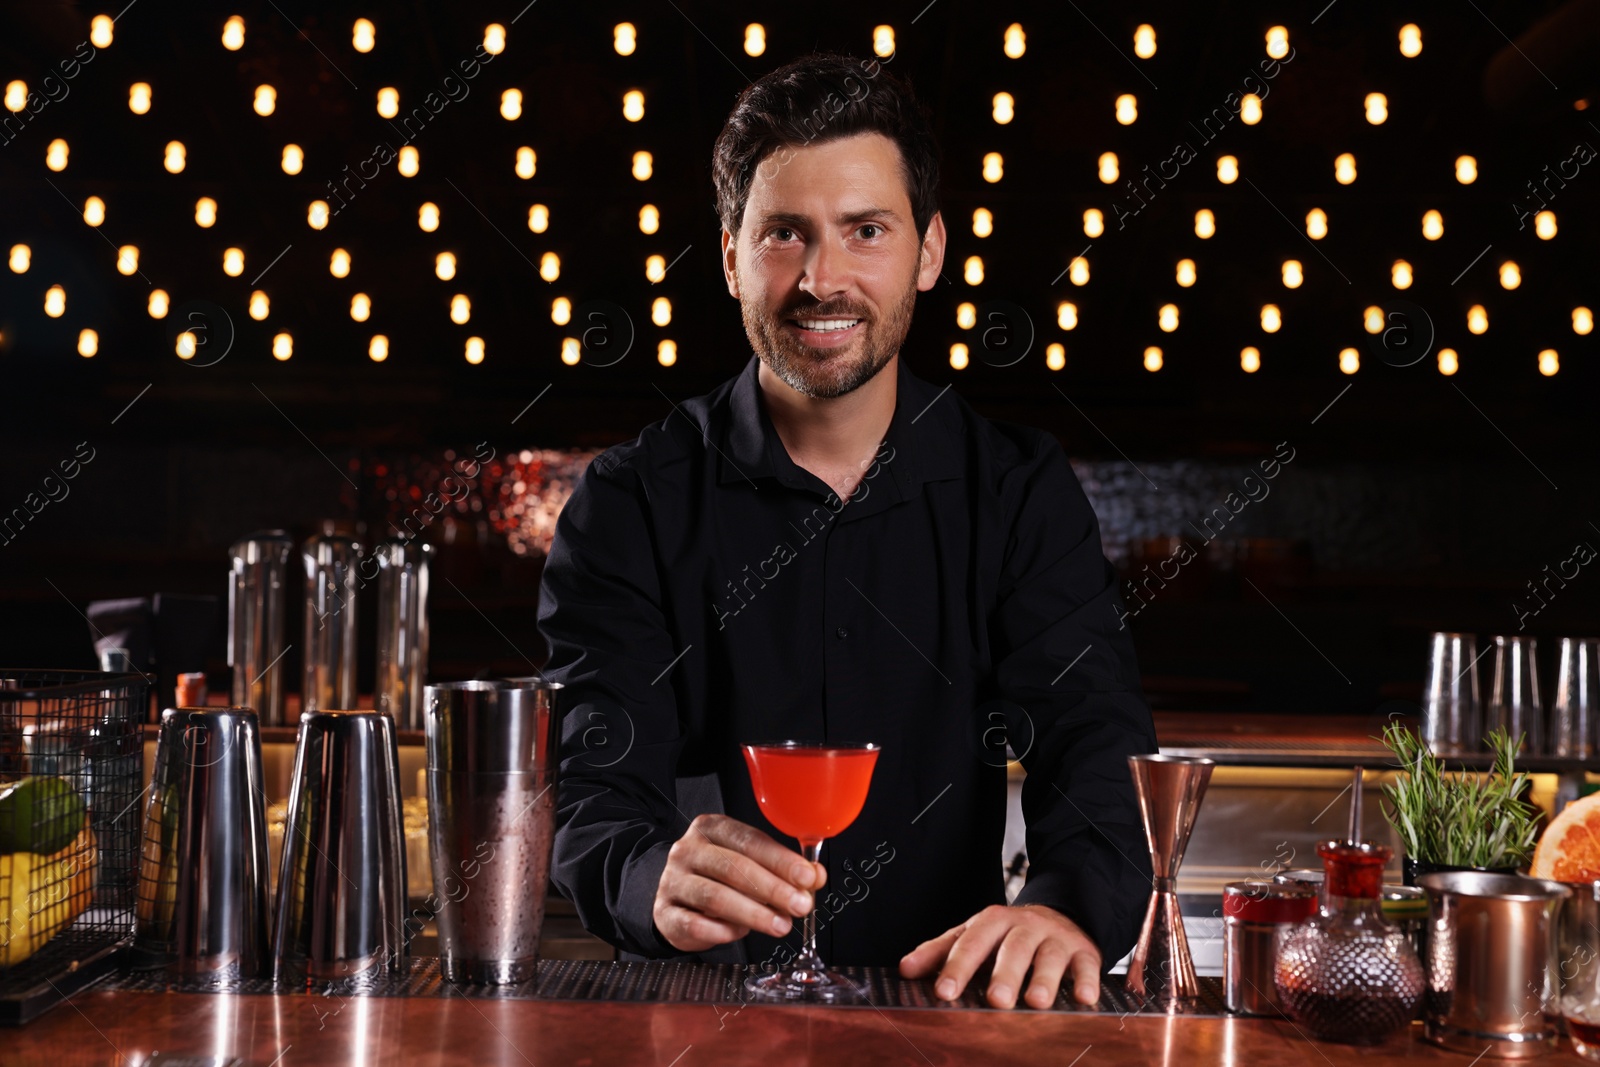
pixel 704 591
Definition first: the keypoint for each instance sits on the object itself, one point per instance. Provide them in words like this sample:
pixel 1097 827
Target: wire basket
pixel 71 764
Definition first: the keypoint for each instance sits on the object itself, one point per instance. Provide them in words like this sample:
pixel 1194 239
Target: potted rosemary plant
pixel 1454 821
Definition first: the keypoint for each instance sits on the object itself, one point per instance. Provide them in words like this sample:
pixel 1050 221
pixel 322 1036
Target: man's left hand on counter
pixel 1017 937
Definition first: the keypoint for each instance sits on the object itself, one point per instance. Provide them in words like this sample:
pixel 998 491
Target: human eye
pixel 781 233
pixel 877 231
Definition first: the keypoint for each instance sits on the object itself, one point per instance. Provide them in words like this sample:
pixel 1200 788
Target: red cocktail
pixel 811 791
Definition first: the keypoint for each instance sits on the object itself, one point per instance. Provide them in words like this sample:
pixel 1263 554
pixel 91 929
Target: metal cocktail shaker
pixel 1451 719
pixel 402 630
pixel 491 774
pixel 328 658
pixel 259 569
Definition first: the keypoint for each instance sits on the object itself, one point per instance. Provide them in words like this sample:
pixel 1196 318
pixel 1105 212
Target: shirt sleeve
pixel 602 612
pixel 1066 680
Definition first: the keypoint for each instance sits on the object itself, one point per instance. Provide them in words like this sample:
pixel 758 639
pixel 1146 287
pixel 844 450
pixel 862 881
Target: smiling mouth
pixel 825 325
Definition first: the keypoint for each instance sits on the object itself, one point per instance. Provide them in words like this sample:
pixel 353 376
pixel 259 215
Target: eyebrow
pixel 796 219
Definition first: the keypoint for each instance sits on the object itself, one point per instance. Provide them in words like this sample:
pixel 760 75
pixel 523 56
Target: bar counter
pixel 125 1028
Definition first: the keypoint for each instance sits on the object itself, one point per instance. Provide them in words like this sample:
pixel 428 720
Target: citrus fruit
pixel 1569 849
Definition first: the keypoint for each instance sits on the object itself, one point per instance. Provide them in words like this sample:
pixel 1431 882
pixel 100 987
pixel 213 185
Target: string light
pixel 538 218
pixel 282 347
pixel 1400 274
pixel 1410 40
pixel 1293 274
pixel 100 31
pixel 494 40
pixel 409 162
pixel 966 315
pixel 233 262
pixel 460 309
pixel 1271 318
pixel 993 167
pixel 511 105
pixel 1432 225
pixel 233 33
pixel 1449 362
pixel 1067 315
pixel 1349 360
pixel 1372 320
pixel 1549 362
pixel 571 351
pixel 157 304
pixel 1127 109
pixel 649 219
pixel 982 222
pixel 958 356
pixel 1094 223
pixel 474 350
pixel 127 260
pixel 643 166
pixel 55 301
pixel 1016 42
pixel 1377 108
pixel 378 348
pixel 623 39
pixel 883 41
pixel 339 263
pixel 661 311
pixel 260 306
pixel 360 307
pixel 94 211
pixel 1466 170
pixel 972 270
pixel 1250 359
pixel 633 105
pixel 1004 108
pixel 185 344
pixel 1544 224
pixel 1167 318
pixel 1078 271
pixel 1510 275
pixel 16 97
pixel 1582 320
pixel 550 267
pixel 1108 167
pixel 139 98
pixel 1277 42
pixel 55 156
pixel 21 257
pixel 1185 272
pixel 1144 41
pixel 667 353
pixel 1477 319
pixel 560 311
pixel 316 215
pixel 755 39
pixel 88 343
pixel 1250 109
pixel 1227 170
pixel 428 217
pixel 361 36
pixel 388 102
pixel 266 101
pixel 293 159
pixel 177 157
pixel 1152 359
pixel 1205 223
pixel 1316 224
pixel 1344 168
pixel 444 266
pixel 1055 356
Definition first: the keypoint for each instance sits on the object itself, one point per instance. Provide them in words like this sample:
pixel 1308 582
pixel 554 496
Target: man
pixel 829 548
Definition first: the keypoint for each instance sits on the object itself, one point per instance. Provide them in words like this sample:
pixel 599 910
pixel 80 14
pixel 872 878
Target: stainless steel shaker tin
pixel 258 571
pixel 328 655
pixel 1253 913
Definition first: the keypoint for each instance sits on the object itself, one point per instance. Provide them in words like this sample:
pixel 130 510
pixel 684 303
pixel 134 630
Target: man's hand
pixel 724 878
pixel 1018 937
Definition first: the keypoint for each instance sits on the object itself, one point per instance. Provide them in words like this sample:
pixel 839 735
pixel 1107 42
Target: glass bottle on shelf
pixel 1347 974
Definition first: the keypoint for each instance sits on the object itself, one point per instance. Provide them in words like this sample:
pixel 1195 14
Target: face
pixel 828 262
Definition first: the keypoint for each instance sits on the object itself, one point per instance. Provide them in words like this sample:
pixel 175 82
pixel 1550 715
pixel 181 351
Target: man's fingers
pixel 695 932
pixel 750 879
pixel 748 841
pixel 724 903
pixel 1049 964
pixel 970 950
pixel 1086 977
pixel 1011 963
pixel 921 960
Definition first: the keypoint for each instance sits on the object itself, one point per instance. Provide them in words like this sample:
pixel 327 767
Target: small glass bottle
pixel 1346 974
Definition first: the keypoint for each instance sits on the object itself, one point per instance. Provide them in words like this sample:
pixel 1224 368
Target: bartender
pixel 828 548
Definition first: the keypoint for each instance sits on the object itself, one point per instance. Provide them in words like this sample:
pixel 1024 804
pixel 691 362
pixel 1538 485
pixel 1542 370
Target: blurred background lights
pixel 185 344
pixel 293 159
pixel 883 41
pixel 1078 271
pixel 1510 275
pixel 1466 170
pixel 339 263
pixel 1400 274
pixel 966 315
pixel 157 304
pixel 1349 360
pixel 755 39
pixel 428 217
pixel 21 256
pixel 378 348
pixel 1127 109
pixel 511 105
pixel 1250 359
pixel 1016 41
pixel 1278 42
pixel 1432 225
pixel 1549 362
pixel 1185 272
pixel 1372 320
pixel 649 219
pixel 1344 168
pixel 127 259
pixel 282 346
pixel 494 38
pixel 1004 107
pixel 16 97
pixel 655 268
pixel 528 163
pixel 1410 40
pixel 571 351
pixel 1152 359
pixel 1250 109
pixel 233 262
pixel 1144 41
pixel 1477 319
pixel 360 307
pixel 1449 362
pixel 233 33
pixel 1316 224
pixel 139 98
pixel 316 215
pixel 362 34
pixel 623 39
pixel 667 353
pixel 408 162
pixel 958 356
pixel 266 100
pixel 972 270
pixel 560 311
pixel 444 266
pixel 538 218
pixel 176 157
pixel 549 266
pixel 1227 170
pixel 88 343
pixel 1582 320
pixel 1094 223
pixel 474 350
pixel 1271 318
pixel 993 167
pixel 1293 275
pixel 388 102
pixel 205 212
pixel 1544 224
pixel 1067 315
pixel 1055 356
pixel 661 311
pixel 642 166
pixel 1108 167
pixel 55 301
pixel 55 155
pixel 633 105
pixel 460 309
pixel 982 222
pixel 1167 318
pixel 1377 106
pixel 94 211
pixel 1205 223
pixel 260 306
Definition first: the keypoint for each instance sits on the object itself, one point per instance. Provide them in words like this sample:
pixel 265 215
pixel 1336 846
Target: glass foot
pixel 807 986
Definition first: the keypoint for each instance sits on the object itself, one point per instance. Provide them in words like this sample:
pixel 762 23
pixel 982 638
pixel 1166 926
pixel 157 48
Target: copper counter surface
pixel 123 1028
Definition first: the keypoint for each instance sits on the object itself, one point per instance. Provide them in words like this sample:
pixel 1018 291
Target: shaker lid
pixel 1268 902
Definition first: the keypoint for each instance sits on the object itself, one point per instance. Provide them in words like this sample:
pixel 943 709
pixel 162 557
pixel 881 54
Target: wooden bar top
pixel 124 1028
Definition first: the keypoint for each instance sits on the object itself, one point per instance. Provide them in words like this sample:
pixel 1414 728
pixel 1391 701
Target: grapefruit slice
pixel 1569 848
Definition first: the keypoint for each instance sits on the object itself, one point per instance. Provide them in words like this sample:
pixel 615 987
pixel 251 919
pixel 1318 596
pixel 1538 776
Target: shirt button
pixel 842 632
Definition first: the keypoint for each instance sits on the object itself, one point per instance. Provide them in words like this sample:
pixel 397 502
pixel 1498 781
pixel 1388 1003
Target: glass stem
pixel 812 851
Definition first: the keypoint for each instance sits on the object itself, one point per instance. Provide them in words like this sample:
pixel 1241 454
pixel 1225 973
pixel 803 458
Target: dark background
pixel 1414 502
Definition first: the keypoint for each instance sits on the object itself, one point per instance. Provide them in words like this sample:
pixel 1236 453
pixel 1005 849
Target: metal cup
pixel 342 883
pixel 491 770
pixel 202 900
pixel 1514 702
pixel 402 630
pixel 1491 963
pixel 1574 719
pixel 1169 789
pixel 258 576
pixel 1451 719
pixel 328 658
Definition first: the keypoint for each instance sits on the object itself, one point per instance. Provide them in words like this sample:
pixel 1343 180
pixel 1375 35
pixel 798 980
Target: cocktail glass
pixel 810 791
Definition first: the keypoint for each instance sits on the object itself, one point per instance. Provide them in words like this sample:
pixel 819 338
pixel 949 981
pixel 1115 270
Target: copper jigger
pixel 1170 789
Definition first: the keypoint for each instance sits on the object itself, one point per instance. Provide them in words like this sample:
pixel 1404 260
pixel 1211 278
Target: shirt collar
pixel 926 434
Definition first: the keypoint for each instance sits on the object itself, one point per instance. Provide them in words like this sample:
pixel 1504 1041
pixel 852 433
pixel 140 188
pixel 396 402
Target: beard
pixel 825 373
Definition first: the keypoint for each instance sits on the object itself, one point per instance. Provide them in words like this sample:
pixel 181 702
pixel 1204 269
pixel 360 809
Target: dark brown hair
pixel 818 98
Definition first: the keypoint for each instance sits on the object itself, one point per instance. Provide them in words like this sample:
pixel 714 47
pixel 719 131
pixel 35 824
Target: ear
pixel 931 255
pixel 730 251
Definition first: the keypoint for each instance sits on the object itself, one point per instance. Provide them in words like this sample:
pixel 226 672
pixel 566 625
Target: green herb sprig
pixel 1459 820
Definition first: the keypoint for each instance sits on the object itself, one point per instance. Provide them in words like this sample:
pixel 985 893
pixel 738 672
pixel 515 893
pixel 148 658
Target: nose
pixel 827 270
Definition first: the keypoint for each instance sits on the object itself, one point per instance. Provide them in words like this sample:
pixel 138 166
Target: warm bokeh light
pixel 549 266
pixel 1449 362
pixel 1055 356
pixel 294 158
pixel 388 102
pixel 444 266
pixel 755 39
pixel 94 211
pixel 1316 224
pixel 1016 41
pixel 511 105
pixel 561 311
pixel 428 217
pixel 158 304
pixel 1250 359
pixel 966 315
pixel 1477 319
pixel 205 212
pixel 1127 109
pixel 571 351
pixel 1466 170
pixel 1432 225
pixel 1067 315
pixel 982 222
pixel 1377 106
pixel 1372 320
pixel 1271 318
pixel 16 97
pixel 1152 359
pixel 1344 168
pixel 362 35
pixel 1278 42
pixel 139 98
pixel 528 163
pixel 1250 109
pixel 88 343
pixel 958 356
pixel 360 307
pixel 655 268
pixel 661 311
pixel 643 166
pixel 176 157
pixel 1293 274
pixel 378 348
pixel 127 259
pixel 1549 362
pixel 1349 360
pixel 1078 271
pixel 233 33
pixel 649 219
pixel 624 39
pixel 1185 272
pixel 266 100
pixel 260 306
pixel 494 42
pixel 1144 41
pixel 1094 223
pixel 1582 320
pixel 55 301
pixel 1510 275
pixel 972 270
pixel 316 215
pixel 538 218
pixel 1400 274
pixel 1227 170
pixel 1108 167
pixel 993 167
pixel 339 263
pixel 233 262
pixel 409 162
pixel 1410 40
pixel 474 350
pixel 21 257
pixel 667 353
pixel 883 41
pixel 460 309
pixel 282 347
pixel 185 344
pixel 633 105
pixel 1167 318
pixel 1004 108
pixel 1544 224
pixel 1205 223
pixel 55 155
